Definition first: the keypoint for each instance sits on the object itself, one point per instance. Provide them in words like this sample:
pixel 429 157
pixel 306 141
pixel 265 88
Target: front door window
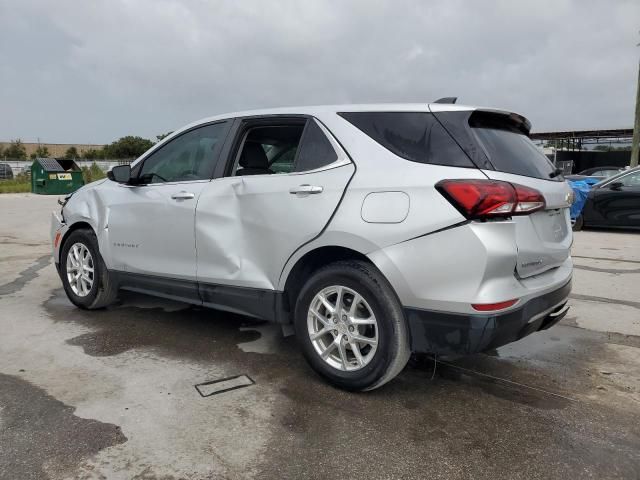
pixel 189 157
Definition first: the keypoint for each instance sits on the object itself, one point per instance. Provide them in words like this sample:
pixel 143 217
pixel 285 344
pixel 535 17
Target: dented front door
pixel 248 226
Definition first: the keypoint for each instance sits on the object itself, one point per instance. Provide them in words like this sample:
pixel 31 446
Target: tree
pixel 71 153
pixel 128 147
pixel 92 173
pixel 162 136
pixel 609 148
pixel 41 152
pixel 16 150
pixel 93 154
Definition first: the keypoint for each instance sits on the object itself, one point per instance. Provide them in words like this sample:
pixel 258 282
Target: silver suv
pixel 375 230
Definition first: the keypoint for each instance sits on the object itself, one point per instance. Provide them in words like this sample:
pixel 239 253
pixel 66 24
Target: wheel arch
pixel 294 277
pixel 72 228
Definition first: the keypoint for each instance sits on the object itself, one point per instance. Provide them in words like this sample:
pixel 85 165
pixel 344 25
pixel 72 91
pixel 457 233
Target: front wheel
pixel 578 224
pixel 351 327
pixel 85 277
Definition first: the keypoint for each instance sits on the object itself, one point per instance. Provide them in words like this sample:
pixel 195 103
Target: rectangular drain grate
pixel 224 385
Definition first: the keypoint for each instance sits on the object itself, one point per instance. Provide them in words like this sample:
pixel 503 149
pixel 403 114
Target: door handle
pixel 183 195
pixel 308 189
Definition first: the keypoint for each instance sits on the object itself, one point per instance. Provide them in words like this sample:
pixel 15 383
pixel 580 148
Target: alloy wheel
pixel 80 269
pixel 342 328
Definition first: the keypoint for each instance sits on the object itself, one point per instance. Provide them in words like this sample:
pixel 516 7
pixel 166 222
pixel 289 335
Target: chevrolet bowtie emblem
pixel 570 197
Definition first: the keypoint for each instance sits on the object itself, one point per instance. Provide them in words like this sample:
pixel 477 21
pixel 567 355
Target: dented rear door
pixel 247 227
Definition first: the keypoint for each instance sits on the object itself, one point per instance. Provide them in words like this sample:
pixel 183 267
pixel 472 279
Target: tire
pixel 578 224
pixel 385 351
pixel 103 290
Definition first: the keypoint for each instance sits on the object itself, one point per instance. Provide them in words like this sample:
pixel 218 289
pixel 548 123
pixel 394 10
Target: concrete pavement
pixel 110 394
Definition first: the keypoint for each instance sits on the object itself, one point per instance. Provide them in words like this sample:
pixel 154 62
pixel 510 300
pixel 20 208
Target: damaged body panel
pixel 248 227
pixel 163 242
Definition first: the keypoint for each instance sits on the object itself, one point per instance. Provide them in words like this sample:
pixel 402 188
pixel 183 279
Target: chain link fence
pixel 24 166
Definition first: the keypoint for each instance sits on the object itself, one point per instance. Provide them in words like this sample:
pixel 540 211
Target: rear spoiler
pixel 501 119
pixel 451 100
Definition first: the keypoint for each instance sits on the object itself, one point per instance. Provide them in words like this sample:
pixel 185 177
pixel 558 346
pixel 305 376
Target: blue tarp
pixel 581 189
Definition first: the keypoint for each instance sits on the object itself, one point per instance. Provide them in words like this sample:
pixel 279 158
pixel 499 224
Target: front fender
pixel 87 206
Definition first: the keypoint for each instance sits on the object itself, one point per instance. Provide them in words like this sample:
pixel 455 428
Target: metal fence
pixel 24 166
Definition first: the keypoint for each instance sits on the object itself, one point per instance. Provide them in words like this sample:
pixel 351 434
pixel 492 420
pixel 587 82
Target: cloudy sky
pixel 92 71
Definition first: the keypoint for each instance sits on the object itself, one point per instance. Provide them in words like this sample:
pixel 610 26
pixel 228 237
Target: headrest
pixel 253 156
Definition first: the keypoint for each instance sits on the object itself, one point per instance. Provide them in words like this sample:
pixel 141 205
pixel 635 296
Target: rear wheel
pixel 85 277
pixel 351 327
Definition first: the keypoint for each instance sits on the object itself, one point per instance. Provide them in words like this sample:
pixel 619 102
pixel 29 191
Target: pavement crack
pixel 606 270
pixel 25 276
pixel 23 244
pixel 590 298
pixel 607 259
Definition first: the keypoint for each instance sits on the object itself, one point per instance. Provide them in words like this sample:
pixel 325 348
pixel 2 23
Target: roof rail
pixel 446 100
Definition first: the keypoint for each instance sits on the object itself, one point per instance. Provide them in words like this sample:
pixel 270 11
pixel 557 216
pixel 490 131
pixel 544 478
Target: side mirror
pixel 616 185
pixel 120 174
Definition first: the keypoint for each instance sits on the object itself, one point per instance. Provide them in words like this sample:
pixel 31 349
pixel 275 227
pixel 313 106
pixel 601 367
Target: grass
pixel 92 173
pixel 20 184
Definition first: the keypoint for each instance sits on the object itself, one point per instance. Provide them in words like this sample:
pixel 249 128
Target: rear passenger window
pixel 269 149
pixel 298 146
pixel 414 136
pixel 315 149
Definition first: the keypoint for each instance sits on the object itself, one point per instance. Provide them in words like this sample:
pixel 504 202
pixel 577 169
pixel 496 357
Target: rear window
pixel 315 149
pixel 508 148
pixel 414 136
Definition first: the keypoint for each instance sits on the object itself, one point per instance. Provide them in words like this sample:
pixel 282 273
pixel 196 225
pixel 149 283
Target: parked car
pixel 376 231
pixel 599 173
pixel 613 203
pixel 6 173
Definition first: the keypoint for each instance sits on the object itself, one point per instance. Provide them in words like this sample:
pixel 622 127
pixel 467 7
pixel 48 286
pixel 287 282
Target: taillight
pixel 477 199
pixel 529 199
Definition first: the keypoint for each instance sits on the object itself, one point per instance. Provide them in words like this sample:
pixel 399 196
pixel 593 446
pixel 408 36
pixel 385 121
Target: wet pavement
pixel 111 393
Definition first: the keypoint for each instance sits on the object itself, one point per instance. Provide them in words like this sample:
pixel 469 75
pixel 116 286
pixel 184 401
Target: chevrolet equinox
pixel 374 230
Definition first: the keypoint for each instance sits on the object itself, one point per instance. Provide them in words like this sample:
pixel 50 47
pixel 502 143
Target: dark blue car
pixel 613 203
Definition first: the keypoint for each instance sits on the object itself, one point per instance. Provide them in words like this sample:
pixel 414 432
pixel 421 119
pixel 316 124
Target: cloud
pixel 93 71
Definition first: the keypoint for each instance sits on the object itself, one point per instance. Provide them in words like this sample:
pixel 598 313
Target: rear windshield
pixel 497 141
pixel 508 148
pixel 414 136
pixel 487 140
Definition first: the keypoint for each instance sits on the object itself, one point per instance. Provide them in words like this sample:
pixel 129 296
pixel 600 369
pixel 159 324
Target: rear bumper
pixel 454 333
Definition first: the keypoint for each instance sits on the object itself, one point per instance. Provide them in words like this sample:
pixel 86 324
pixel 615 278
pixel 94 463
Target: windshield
pixel 613 178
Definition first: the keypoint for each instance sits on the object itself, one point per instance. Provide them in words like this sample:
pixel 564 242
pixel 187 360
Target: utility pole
pixel 635 143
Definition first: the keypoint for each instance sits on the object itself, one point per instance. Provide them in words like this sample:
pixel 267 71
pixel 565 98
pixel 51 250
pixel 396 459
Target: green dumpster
pixel 55 177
